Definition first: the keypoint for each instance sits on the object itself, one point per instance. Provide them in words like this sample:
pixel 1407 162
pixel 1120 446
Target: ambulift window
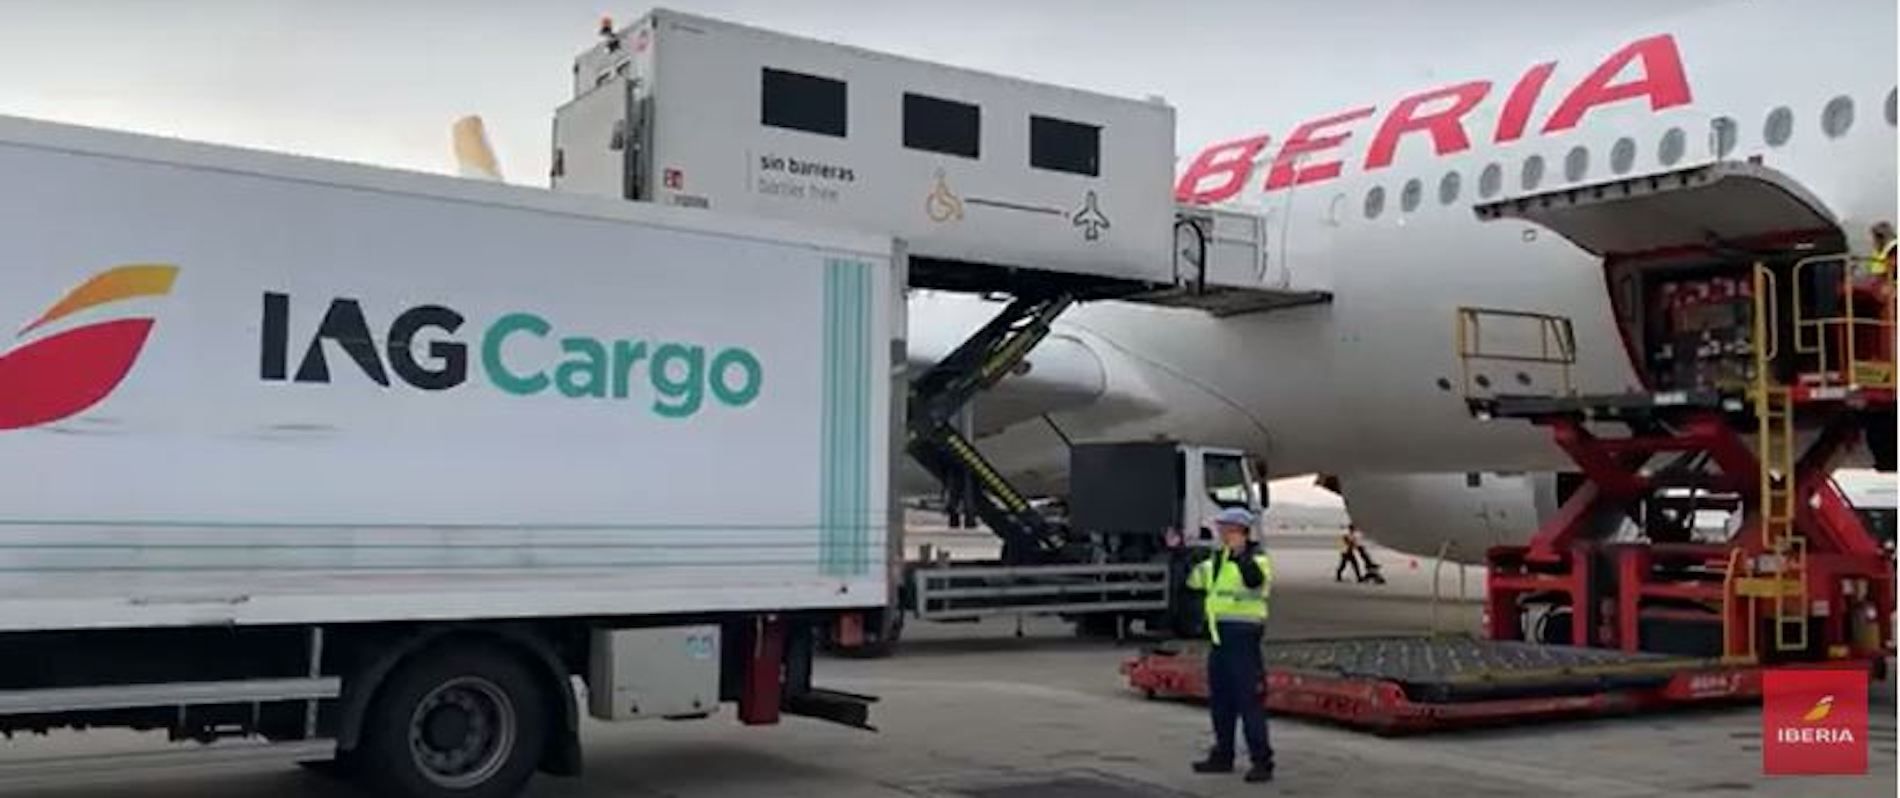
pixel 796 101
pixel 1226 477
pixel 945 126
pixel 1064 146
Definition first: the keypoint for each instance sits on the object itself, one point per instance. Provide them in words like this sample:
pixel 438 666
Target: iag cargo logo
pixel 422 349
pixel 57 376
pixel 1814 722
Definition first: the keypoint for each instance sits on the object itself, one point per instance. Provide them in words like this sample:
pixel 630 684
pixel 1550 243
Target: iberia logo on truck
pixel 56 376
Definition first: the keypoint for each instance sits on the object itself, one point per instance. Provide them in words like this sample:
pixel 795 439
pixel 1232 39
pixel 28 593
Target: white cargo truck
pixel 342 464
pixel 336 461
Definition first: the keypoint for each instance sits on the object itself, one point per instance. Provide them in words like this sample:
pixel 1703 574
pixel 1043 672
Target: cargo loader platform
pixel 1419 684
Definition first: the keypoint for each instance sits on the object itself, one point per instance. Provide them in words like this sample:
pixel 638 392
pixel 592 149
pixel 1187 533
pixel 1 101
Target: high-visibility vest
pixel 1228 597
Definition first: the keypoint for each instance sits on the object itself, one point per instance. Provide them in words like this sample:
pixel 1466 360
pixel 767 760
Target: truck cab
pixel 1145 498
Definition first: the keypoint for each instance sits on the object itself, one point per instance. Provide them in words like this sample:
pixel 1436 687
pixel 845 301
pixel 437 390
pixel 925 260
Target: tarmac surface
pixel 974 711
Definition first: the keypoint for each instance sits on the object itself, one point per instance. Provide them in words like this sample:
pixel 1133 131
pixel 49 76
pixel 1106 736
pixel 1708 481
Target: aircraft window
pixel 1063 146
pixel 1779 127
pixel 1623 155
pixel 1448 188
pixel 1408 199
pixel 1375 202
pixel 1491 181
pixel 1838 116
pixel 945 126
pixel 1893 107
pixel 1674 143
pixel 797 101
pixel 1533 172
pixel 1577 164
pixel 1724 135
pixel 1336 210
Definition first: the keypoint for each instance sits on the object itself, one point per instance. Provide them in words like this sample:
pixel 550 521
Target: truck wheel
pixel 465 721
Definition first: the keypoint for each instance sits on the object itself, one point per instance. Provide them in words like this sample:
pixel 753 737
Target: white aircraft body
pixel 1381 194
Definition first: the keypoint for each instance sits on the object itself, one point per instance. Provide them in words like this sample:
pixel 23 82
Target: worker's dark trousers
pixel 1234 691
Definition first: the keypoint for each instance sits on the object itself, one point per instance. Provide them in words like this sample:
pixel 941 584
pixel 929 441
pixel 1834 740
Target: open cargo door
pixel 1727 205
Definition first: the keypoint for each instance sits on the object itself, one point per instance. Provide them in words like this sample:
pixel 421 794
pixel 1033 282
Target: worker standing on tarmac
pixel 1237 581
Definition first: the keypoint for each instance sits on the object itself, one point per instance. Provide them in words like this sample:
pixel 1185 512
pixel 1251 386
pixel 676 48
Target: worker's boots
pixel 1215 763
pixel 1260 772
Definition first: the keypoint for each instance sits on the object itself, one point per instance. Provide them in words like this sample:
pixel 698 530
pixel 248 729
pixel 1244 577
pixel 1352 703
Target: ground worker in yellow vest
pixel 1236 581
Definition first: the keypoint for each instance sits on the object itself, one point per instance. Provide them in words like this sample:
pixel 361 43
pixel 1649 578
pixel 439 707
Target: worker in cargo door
pixel 1237 580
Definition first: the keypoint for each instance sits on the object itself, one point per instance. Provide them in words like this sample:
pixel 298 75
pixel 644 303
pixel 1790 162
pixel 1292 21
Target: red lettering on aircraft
pixel 1663 82
pixel 1231 159
pixel 1517 109
pixel 1440 113
pixel 1446 125
pixel 1305 141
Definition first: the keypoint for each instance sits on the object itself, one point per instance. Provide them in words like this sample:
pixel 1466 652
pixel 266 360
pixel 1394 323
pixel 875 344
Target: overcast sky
pixel 380 82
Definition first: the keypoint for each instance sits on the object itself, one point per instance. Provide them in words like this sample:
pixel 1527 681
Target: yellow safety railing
pixel 1834 340
pixel 1445 549
pixel 1775 443
pixel 1556 343
pixel 1732 580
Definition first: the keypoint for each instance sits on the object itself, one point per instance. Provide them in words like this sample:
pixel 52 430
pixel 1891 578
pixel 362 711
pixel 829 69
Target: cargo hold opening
pixel 1680 251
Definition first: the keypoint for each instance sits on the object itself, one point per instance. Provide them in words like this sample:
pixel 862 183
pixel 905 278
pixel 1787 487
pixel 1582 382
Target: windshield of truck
pixel 1227 483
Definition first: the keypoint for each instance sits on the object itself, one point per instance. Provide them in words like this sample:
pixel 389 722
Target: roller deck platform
pixel 1402 685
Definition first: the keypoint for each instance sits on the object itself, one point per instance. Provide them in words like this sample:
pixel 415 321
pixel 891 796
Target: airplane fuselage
pixel 1380 197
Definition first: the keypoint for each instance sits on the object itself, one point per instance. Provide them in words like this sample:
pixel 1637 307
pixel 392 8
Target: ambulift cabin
pixel 1045 194
pixel 970 169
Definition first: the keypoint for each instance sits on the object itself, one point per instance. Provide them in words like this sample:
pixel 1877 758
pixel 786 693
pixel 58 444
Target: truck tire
pixel 463 720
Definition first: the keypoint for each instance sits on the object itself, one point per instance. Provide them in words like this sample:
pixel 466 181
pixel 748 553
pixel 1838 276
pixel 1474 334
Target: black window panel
pixel 1065 146
pixel 797 101
pixel 945 126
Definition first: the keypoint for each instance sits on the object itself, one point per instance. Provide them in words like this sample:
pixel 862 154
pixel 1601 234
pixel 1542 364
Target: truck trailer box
pixel 247 388
pixel 966 167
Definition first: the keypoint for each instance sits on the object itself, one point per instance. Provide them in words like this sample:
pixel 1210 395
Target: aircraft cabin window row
pixel 1533 172
pixel 814 104
pixel 1837 119
pixel 1491 181
pixel 1727 136
pixel 1623 156
pixel 1779 127
pixel 1675 144
pixel 1577 164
